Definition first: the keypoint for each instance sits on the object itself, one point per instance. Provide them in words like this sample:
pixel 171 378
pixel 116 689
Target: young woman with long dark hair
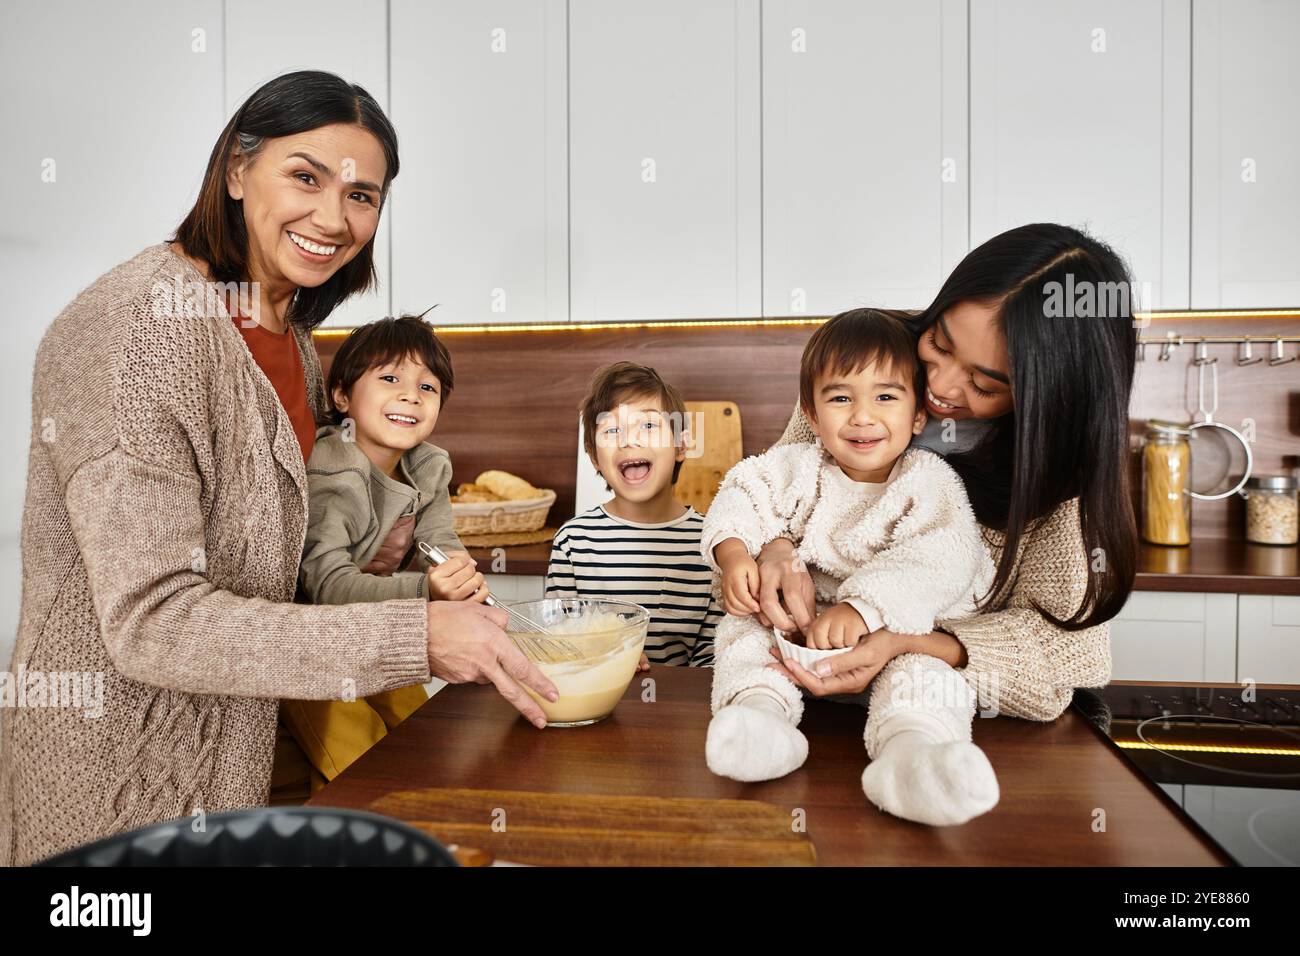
pixel 1028 393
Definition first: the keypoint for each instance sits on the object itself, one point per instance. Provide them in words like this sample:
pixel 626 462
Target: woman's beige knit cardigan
pixel 1026 665
pixel 163 526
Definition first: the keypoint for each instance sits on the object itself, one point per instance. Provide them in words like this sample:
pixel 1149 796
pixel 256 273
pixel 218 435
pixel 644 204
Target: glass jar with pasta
pixel 1166 477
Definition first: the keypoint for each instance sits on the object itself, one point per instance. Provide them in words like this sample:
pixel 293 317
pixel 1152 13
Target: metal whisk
pixel 548 648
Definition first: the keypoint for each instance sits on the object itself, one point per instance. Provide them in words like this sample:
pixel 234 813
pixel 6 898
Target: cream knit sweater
pixel 163 526
pixel 905 553
pixel 1032 665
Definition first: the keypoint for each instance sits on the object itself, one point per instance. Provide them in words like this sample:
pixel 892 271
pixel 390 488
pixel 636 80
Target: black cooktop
pixel 1227 755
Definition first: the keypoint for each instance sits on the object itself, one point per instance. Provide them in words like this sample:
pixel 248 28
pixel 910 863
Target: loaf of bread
pixel 509 487
pixel 469 492
pixel 474 495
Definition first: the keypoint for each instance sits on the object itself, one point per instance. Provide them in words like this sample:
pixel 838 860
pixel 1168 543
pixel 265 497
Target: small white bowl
pixel 808 657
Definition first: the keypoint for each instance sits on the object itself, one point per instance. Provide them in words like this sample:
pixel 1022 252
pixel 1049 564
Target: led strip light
pixel 784 321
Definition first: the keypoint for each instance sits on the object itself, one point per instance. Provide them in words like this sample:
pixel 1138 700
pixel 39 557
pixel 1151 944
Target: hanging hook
pixel 1202 355
pixel 1244 358
pixel 1277 358
pixel 1167 350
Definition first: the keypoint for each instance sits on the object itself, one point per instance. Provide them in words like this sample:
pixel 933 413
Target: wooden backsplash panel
pixel 515 405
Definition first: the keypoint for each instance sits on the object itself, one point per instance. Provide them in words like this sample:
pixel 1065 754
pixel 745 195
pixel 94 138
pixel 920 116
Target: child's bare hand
pixel 839 626
pixel 644 663
pixel 740 586
pixel 457 580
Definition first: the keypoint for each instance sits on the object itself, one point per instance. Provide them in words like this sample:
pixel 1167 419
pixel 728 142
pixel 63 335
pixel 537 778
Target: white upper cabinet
pixel 664 157
pixel 1079 114
pixel 1245 154
pixel 266 38
pixel 108 124
pixel 480 219
pixel 865 172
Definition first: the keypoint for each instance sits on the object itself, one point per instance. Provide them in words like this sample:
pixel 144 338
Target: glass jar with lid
pixel 1271 509
pixel 1166 483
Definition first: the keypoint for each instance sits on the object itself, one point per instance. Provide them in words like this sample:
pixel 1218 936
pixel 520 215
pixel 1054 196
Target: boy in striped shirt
pixel 642 545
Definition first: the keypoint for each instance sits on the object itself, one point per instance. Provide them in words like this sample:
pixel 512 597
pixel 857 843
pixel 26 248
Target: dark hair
pixel 1071 377
pixel 855 339
pixel 214 230
pixel 616 383
pixel 376 344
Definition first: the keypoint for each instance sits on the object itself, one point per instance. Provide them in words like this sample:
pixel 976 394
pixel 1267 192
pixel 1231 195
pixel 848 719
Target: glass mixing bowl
pixel 604 640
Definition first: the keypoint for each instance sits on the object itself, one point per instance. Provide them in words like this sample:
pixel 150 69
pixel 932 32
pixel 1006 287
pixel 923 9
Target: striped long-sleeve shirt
pixel 657 566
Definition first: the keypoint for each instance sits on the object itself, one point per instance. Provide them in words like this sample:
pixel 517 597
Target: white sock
pixel 753 739
pixel 919 776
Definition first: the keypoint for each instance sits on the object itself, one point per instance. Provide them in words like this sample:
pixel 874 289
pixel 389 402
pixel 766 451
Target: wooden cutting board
pixel 720 446
pixel 561 829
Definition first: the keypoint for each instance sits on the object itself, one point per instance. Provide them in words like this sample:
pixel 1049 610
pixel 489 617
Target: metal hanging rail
pixel 1173 340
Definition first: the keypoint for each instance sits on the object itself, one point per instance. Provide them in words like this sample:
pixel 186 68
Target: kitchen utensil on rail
pixel 1221 456
pixel 545 648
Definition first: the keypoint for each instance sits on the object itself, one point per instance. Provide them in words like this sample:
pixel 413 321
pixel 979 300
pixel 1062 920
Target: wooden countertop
pixel 1211 564
pixel 520 558
pixel 634 789
pixel 1220 564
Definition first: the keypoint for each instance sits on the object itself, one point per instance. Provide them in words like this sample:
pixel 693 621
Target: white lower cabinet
pixel 1175 635
pixel 516 588
pixel 1195 636
pixel 1268 639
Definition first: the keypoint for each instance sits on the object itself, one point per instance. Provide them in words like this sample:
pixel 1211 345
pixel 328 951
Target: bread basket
pixel 495 517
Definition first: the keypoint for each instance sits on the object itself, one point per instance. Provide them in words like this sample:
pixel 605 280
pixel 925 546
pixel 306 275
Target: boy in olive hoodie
pixel 376 489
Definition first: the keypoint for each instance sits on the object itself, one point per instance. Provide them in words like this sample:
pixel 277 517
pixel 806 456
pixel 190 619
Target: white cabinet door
pixel 1174 635
pixel 265 38
pixel 480 220
pixel 664 159
pixel 864 152
pixel 1245 154
pixel 516 588
pixel 1268 639
pixel 108 120
pixel 1079 115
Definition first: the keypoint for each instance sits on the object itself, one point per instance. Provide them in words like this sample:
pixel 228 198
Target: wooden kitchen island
pixel 634 790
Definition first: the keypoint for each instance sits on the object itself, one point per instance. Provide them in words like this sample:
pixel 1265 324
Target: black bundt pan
pixel 268 836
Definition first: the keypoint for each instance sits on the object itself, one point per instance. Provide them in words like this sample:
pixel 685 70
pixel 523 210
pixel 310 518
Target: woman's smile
pixel 310 250
pixel 939 407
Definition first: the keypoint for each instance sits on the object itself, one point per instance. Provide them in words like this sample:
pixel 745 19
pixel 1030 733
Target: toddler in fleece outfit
pixel 890 541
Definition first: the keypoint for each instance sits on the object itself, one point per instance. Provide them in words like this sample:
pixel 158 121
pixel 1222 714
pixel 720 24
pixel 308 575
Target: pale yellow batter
pixel 589 691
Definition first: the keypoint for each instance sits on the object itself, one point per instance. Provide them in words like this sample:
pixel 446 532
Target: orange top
pixel 277 356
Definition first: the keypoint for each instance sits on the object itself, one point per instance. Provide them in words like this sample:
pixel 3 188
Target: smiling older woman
pixel 167 497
